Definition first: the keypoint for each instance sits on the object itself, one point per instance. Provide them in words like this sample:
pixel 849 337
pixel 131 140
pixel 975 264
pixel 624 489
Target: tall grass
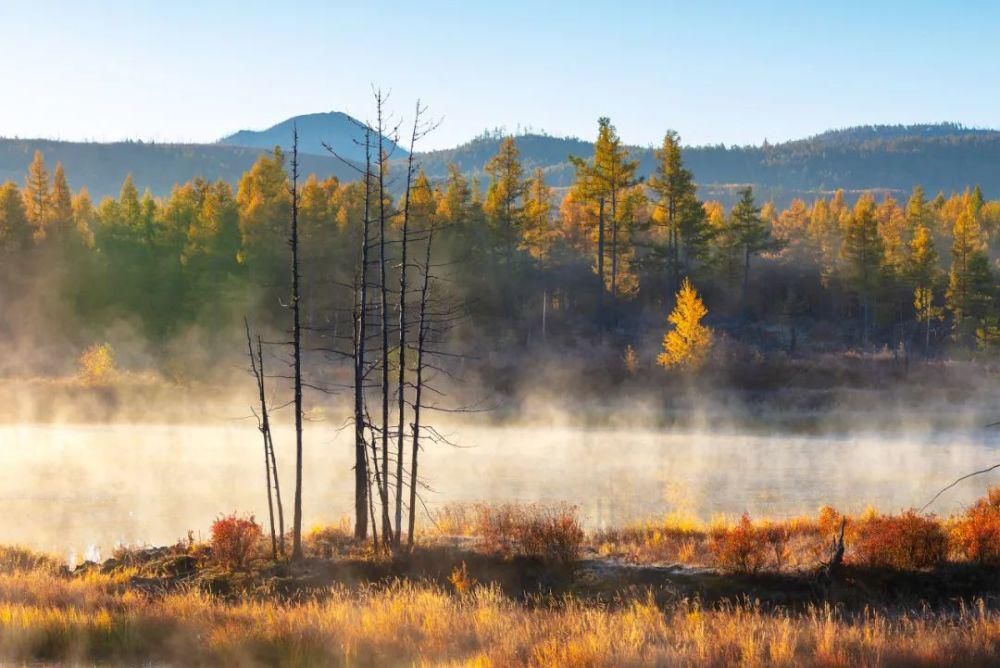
pixel 45 617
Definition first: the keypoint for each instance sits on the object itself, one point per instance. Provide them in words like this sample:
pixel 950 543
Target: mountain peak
pixel 343 133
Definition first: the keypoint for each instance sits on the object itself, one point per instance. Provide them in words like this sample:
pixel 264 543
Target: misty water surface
pixel 80 490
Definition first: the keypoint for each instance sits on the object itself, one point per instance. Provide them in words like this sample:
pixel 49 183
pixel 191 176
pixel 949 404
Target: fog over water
pixel 79 490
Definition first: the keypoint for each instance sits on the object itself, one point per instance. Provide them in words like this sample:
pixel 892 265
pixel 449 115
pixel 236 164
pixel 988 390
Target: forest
pixel 528 264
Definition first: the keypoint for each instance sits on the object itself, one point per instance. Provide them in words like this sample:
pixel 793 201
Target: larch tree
pixel 60 215
pixel 687 344
pixel 504 206
pixel 538 232
pixel 37 201
pixel 677 208
pixel 15 230
pixel 965 298
pixel 864 258
pixel 602 181
pixel 923 273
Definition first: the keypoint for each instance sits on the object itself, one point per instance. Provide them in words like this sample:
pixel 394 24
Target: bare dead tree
pixel 270 448
pixel 362 502
pixel 417 132
pixel 380 128
pixel 263 426
pixel 293 242
pixel 422 328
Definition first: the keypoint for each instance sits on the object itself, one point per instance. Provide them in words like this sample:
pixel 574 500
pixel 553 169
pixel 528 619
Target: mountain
pixel 942 157
pixel 341 132
pixel 101 168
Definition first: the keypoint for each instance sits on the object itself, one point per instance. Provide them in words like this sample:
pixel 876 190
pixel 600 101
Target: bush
pixel 551 533
pixel 976 535
pixel 234 541
pixel 741 548
pixel 904 542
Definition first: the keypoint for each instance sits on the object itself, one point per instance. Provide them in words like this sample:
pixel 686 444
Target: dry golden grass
pixel 51 618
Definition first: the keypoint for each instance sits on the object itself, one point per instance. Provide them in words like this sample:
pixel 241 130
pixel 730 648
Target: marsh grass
pixel 46 617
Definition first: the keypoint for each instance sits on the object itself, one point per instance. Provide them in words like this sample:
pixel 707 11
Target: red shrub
pixel 234 541
pixel 905 542
pixel 551 533
pixel 741 548
pixel 977 534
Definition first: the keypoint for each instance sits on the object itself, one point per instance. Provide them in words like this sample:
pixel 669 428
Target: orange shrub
pixel 234 541
pixel 551 533
pixel 905 542
pixel 741 548
pixel 976 535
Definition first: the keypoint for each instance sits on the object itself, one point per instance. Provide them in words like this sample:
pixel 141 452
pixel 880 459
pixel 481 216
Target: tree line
pixel 530 261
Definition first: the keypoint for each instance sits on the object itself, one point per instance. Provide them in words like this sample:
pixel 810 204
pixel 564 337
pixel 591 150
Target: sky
pixel 716 72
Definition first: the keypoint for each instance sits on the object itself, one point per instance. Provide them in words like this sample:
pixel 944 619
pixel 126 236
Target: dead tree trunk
pixel 270 449
pixel 262 426
pixel 362 504
pixel 421 341
pixel 293 242
pixel 384 304
pixel 401 379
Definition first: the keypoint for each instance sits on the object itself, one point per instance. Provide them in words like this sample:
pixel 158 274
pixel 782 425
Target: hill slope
pixel 101 168
pixel 338 130
pixel 941 157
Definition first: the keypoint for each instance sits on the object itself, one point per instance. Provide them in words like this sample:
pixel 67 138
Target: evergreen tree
pixel 751 233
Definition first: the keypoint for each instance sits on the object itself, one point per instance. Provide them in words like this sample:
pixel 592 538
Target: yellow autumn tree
pixel 688 343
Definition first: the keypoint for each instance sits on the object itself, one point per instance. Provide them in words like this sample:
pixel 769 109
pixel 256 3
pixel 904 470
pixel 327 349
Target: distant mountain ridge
pixel 941 157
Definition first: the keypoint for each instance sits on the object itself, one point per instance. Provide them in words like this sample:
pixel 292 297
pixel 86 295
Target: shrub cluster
pixel 976 534
pixel 234 541
pixel 551 533
pixel 741 548
pixel 905 542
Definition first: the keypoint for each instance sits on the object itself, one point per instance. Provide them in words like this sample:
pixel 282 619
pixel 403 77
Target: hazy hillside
pixel 338 130
pixel 941 157
pixel 102 167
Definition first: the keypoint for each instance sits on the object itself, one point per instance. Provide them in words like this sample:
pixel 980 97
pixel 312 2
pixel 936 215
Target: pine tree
pixel 752 233
pixel 688 343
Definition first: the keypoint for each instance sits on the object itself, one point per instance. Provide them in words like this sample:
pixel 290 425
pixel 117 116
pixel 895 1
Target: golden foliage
pixel 688 343
pixel 97 364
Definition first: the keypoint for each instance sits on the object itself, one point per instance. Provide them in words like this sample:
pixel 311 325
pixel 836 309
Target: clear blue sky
pixel 736 72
